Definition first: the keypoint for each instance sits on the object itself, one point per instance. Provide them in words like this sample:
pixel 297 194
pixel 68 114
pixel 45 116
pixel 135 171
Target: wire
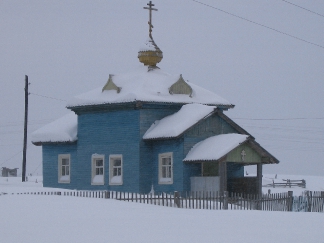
pixel 302 8
pixel 11 157
pixel 262 25
pixel 29 124
pixel 4 145
pixel 280 119
pixel 37 167
pixel 21 123
pixel 48 97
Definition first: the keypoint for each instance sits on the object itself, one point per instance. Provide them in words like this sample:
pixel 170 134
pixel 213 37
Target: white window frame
pixel 165 180
pixel 113 169
pixel 95 169
pixel 64 178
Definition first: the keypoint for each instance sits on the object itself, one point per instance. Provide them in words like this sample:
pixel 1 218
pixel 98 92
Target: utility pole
pixel 23 177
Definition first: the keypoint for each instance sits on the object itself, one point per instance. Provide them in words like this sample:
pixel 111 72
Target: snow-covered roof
pixel 214 148
pixel 63 129
pixel 177 123
pixel 146 86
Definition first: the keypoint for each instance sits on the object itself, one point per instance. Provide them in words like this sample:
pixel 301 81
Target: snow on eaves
pixel 177 123
pixel 146 86
pixel 63 129
pixel 214 148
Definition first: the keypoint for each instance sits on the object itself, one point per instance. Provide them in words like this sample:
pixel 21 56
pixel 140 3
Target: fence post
pixel 303 183
pixel 321 201
pixel 225 205
pixel 177 199
pixel 309 201
pixel 258 202
pixel 290 201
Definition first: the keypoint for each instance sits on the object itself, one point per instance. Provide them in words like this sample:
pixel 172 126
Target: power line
pixel 29 124
pixel 303 8
pixel 37 167
pixel 21 123
pixel 285 129
pixel 262 25
pixel 11 157
pixel 48 97
pixel 280 119
pixel 5 145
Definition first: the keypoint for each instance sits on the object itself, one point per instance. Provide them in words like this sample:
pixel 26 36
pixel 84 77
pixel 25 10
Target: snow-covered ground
pixel 40 218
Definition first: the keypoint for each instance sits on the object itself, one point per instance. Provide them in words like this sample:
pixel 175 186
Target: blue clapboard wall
pixel 119 129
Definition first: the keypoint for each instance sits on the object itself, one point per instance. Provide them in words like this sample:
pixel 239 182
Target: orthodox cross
pixel 150 5
pixel 243 154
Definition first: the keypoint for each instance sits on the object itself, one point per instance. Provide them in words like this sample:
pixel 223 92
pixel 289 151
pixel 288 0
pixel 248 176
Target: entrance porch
pixel 226 176
pixel 222 160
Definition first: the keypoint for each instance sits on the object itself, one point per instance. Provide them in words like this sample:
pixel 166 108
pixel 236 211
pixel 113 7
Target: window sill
pixel 97 184
pixel 165 182
pixel 64 182
pixel 64 179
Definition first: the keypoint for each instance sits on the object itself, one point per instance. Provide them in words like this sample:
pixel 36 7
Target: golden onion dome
pixel 150 54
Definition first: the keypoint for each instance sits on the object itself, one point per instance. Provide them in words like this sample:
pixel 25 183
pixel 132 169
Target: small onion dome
pixel 150 54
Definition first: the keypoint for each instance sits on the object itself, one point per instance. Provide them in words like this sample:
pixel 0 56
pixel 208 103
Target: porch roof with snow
pixel 146 85
pixel 214 148
pixel 62 130
pixel 217 147
pixel 177 123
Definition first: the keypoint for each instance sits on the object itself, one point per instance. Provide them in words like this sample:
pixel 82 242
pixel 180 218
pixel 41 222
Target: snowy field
pixel 37 218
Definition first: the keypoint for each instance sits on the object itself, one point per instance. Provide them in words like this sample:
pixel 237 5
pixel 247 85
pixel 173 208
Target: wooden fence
pixel 212 200
pixel 287 183
pixel 308 202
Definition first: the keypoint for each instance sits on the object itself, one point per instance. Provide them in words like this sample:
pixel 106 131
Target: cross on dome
pixel 150 54
pixel 150 4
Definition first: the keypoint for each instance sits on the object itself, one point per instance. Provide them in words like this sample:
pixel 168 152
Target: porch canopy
pixel 232 147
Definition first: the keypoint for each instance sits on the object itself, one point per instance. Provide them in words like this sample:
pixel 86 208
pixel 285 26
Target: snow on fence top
pixel 177 123
pixel 147 86
pixel 63 129
pixel 213 148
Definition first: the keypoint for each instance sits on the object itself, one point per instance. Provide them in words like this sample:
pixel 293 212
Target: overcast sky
pixel 70 47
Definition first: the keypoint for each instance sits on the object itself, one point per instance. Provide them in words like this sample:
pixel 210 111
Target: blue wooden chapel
pixel 147 130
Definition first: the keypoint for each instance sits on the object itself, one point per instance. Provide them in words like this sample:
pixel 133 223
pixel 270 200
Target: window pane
pixel 117 171
pixel 99 162
pixel 166 161
pixel 169 172
pixel 67 171
pixel 164 172
pixel 117 162
pixel 65 161
pixel 63 171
